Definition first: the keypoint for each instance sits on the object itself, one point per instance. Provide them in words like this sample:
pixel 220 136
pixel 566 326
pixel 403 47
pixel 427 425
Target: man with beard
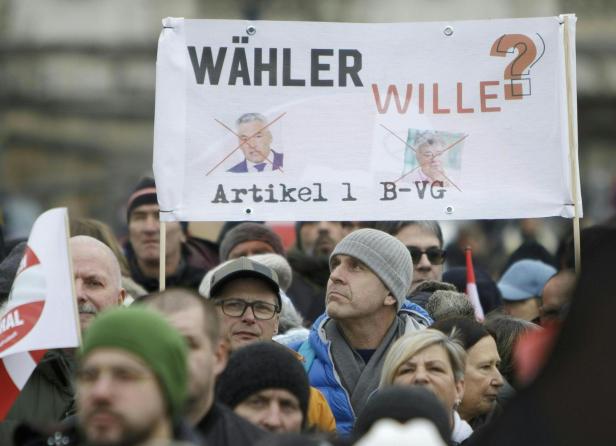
pixel 314 241
pixel 131 385
pixel 196 319
pixel 48 396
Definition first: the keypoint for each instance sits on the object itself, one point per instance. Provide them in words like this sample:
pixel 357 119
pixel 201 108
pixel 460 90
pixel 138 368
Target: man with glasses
pixel 247 296
pixel 424 240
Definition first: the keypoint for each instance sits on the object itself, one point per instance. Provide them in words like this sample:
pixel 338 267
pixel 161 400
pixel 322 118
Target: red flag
pixel 15 370
pixel 15 324
pixel 471 286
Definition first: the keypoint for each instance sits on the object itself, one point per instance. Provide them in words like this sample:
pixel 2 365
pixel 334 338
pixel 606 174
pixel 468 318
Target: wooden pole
pixel 573 147
pixel 72 274
pixel 162 256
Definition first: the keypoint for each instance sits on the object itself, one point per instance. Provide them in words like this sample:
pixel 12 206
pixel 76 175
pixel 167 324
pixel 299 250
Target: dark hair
pixel 174 300
pixel 506 330
pixel 489 294
pixel 394 227
pixel 469 331
pixel 590 240
pixel 530 249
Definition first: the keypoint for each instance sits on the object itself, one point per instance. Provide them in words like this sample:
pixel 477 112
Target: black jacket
pixel 198 257
pixel 222 427
pixel 47 397
pixel 67 434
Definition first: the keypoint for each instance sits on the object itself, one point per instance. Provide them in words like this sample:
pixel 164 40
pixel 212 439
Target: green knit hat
pixel 148 336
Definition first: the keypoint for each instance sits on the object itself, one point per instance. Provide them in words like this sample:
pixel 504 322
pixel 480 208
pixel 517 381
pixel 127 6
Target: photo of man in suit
pixel 255 140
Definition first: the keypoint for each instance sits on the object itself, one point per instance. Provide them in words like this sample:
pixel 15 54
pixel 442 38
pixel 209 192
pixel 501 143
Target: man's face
pixel 429 158
pixel 97 286
pixel 415 235
pixel 245 329
pixel 320 237
pixel 527 309
pixel 205 362
pixel 557 292
pixel 255 142
pixel 144 232
pixel 431 368
pixel 250 248
pixel 119 401
pixel 482 379
pixel 275 410
pixel 354 291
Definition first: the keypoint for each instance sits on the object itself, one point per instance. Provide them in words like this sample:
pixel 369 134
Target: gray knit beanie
pixel 384 254
pixel 247 232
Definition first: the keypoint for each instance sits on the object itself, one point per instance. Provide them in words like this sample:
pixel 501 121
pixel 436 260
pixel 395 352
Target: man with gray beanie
pixel 366 311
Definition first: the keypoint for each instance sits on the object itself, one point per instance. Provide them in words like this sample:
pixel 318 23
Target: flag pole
pixel 471 286
pixel 573 148
pixel 162 256
pixel 67 228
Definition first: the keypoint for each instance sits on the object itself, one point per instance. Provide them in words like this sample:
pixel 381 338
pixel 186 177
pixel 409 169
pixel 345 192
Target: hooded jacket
pixel 319 363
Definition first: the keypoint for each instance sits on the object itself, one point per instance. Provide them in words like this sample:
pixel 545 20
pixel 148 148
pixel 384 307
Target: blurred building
pixel 77 87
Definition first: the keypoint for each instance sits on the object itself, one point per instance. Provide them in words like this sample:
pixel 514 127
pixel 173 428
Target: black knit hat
pixel 261 366
pixel 246 232
pixel 144 193
pixel 403 403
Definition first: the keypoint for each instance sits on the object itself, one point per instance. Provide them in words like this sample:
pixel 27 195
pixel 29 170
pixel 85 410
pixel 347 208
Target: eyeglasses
pixel 262 311
pixel 436 256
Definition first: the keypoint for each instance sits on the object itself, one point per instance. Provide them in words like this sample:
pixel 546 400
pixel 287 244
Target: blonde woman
pixel 431 359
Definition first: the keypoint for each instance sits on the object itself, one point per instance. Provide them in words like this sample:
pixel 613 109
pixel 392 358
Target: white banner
pixel 41 310
pixel 338 121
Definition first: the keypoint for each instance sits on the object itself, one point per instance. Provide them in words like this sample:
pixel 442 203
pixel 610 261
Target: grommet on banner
pixel 449 210
pixel 248 211
pixel 251 30
pixel 448 31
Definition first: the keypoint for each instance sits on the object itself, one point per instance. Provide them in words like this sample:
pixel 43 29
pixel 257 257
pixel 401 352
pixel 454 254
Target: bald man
pixel 48 396
pixel 98 280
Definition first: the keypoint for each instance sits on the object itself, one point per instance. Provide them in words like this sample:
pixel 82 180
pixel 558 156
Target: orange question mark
pixel 527 51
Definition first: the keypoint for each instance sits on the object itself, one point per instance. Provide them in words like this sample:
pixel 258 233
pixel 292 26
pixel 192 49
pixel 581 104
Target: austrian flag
pixel 40 311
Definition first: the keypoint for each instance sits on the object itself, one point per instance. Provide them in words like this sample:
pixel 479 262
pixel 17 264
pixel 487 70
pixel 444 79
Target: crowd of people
pixel 356 325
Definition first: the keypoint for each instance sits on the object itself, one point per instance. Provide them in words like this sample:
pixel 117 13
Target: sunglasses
pixel 435 255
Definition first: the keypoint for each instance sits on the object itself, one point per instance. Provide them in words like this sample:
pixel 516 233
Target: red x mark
pixel 243 142
pixel 413 149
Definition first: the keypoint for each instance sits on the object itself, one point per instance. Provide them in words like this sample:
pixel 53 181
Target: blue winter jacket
pixel 318 363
